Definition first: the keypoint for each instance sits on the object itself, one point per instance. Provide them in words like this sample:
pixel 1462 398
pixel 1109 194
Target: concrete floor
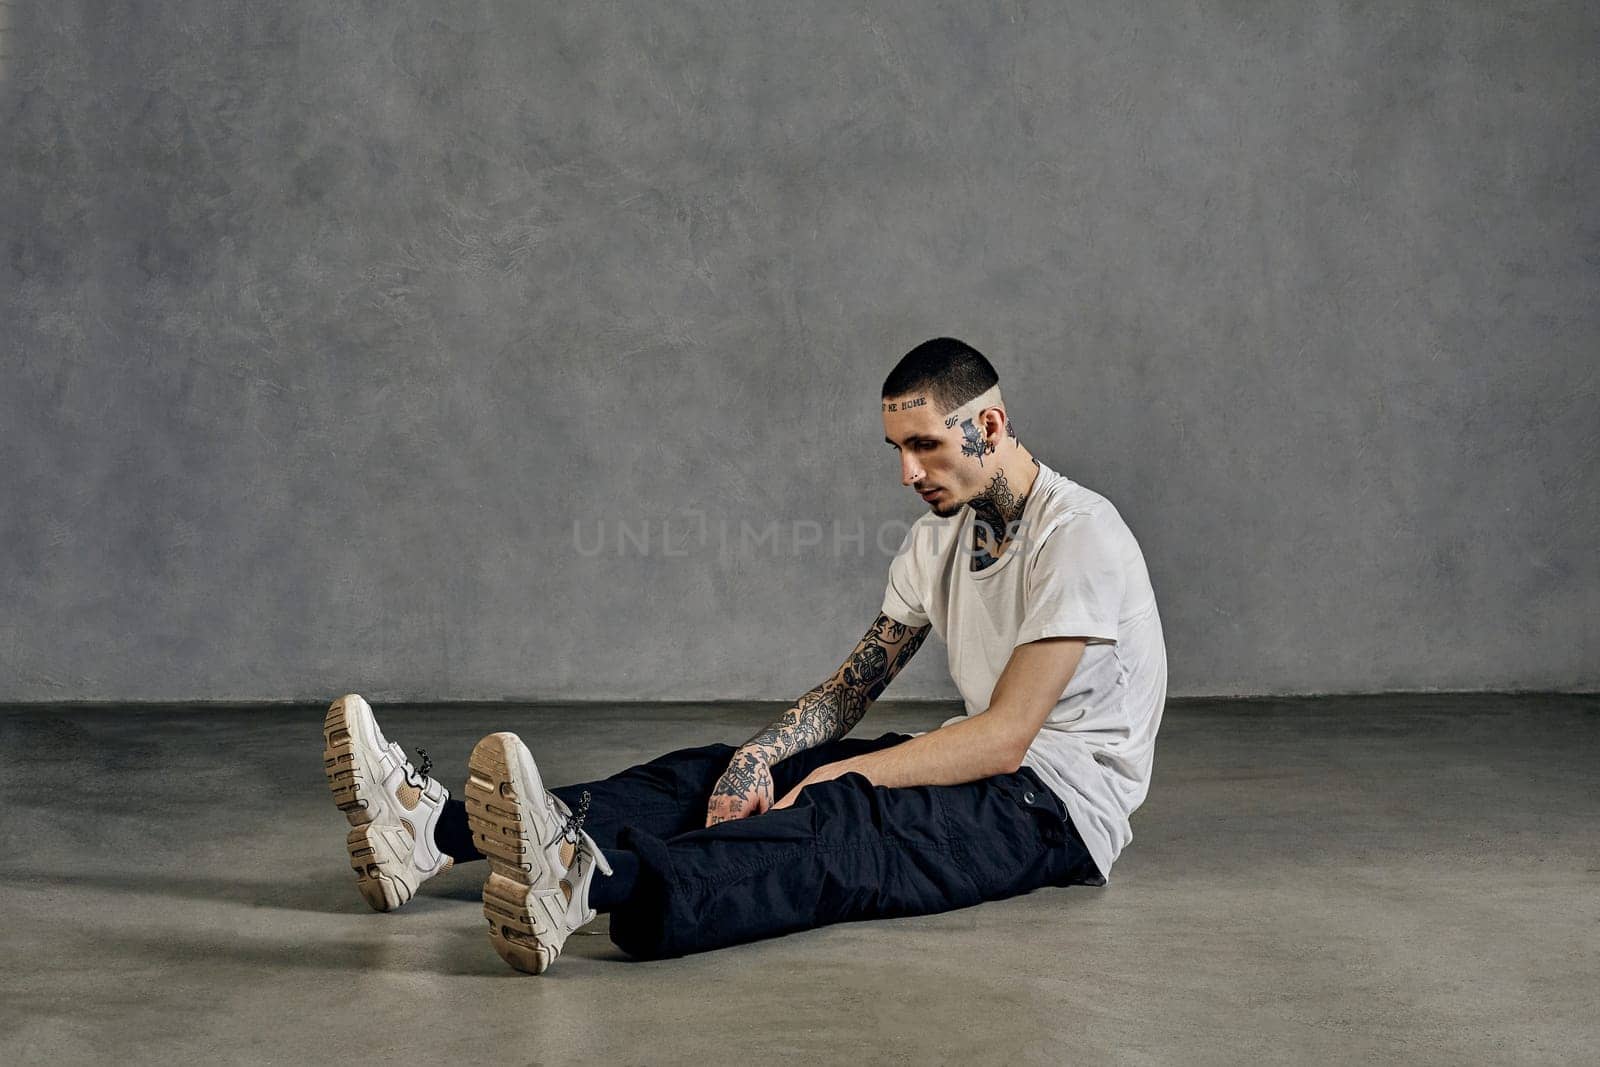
pixel 1337 880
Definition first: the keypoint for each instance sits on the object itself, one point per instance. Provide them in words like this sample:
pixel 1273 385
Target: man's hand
pixel 826 773
pixel 745 788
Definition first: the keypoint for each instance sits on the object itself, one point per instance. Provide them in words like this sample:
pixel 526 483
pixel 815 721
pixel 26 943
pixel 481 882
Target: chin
pixel 945 513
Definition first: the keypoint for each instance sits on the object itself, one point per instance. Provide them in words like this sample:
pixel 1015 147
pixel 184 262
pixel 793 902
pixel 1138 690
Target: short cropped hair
pixel 951 372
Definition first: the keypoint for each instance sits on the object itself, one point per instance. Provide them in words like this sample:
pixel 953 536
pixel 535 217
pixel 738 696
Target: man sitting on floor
pixel 1040 592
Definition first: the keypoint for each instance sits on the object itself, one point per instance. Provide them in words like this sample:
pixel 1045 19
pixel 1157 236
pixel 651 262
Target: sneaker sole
pixel 519 913
pixel 377 853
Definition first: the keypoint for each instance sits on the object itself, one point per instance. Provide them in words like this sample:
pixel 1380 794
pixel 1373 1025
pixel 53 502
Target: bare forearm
pixel 964 751
pixel 993 742
pixel 980 746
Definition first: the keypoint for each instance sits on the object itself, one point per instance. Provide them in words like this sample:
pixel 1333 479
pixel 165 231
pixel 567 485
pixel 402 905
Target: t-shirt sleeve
pixel 1075 582
pixel 903 599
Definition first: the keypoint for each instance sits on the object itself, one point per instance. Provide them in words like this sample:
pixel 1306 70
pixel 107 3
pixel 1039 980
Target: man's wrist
pixel 862 765
pixel 756 751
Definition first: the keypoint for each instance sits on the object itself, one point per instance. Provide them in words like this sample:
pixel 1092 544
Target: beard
pixel 946 512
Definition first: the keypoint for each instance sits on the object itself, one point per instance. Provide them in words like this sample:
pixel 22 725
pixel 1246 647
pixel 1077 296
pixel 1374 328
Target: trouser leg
pixel 846 850
pixel 666 796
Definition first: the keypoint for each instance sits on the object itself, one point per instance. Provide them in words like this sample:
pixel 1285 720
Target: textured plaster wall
pixel 323 324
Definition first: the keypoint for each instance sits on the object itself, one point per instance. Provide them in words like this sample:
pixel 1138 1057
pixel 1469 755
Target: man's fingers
pixel 724 815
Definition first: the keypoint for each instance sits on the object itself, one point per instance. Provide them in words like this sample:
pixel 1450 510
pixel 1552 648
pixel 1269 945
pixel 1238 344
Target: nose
pixel 910 472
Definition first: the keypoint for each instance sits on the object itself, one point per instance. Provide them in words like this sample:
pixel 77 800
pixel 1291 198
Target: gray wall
pixel 323 324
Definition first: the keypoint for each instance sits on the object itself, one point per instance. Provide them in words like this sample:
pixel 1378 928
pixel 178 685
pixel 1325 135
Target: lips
pixel 931 493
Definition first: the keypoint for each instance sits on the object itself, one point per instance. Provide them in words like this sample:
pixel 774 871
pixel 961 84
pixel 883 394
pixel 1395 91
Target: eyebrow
pixel 913 437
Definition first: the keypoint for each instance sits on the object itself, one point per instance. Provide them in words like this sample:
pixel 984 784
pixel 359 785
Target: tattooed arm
pixel 826 713
pixel 833 708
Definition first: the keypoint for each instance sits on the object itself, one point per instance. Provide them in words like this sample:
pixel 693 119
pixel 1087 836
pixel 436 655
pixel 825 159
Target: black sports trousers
pixel 845 850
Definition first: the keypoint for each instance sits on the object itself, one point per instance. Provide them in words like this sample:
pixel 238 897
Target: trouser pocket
pixel 1072 863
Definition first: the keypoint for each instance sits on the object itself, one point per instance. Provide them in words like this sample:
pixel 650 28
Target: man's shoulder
pixel 1067 504
pixel 1061 498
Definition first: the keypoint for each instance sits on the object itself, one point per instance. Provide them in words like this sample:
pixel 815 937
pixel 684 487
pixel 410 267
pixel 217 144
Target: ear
pixel 993 422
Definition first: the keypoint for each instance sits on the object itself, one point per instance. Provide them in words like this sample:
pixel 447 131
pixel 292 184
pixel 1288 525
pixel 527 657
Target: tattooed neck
pixel 997 511
pixel 999 503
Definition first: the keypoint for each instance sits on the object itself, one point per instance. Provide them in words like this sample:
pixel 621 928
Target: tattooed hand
pixel 745 788
pixel 825 714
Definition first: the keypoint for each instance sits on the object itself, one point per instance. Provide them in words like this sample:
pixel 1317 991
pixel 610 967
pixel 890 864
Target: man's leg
pixel 846 850
pixel 548 872
pixel 688 776
pixel 666 796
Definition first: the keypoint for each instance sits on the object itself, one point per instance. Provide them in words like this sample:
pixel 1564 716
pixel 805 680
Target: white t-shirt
pixel 1072 570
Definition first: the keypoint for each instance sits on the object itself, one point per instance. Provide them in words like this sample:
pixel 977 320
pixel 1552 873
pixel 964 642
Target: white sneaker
pixel 391 806
pixel 540 860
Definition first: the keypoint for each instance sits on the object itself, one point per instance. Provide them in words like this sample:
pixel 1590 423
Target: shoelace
pixel 414 774
pixel 572 825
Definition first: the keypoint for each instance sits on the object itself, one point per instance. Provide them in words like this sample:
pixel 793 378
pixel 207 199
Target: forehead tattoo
pixel 906 404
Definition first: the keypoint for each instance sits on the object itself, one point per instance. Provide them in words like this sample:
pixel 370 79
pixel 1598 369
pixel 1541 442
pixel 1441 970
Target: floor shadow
pixel 324 894
pixel 469 953
pixel 185 949
pixel 468 892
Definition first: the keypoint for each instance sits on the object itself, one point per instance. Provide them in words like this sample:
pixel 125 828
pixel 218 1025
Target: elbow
pixel 1010 754
pixel 1008 742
